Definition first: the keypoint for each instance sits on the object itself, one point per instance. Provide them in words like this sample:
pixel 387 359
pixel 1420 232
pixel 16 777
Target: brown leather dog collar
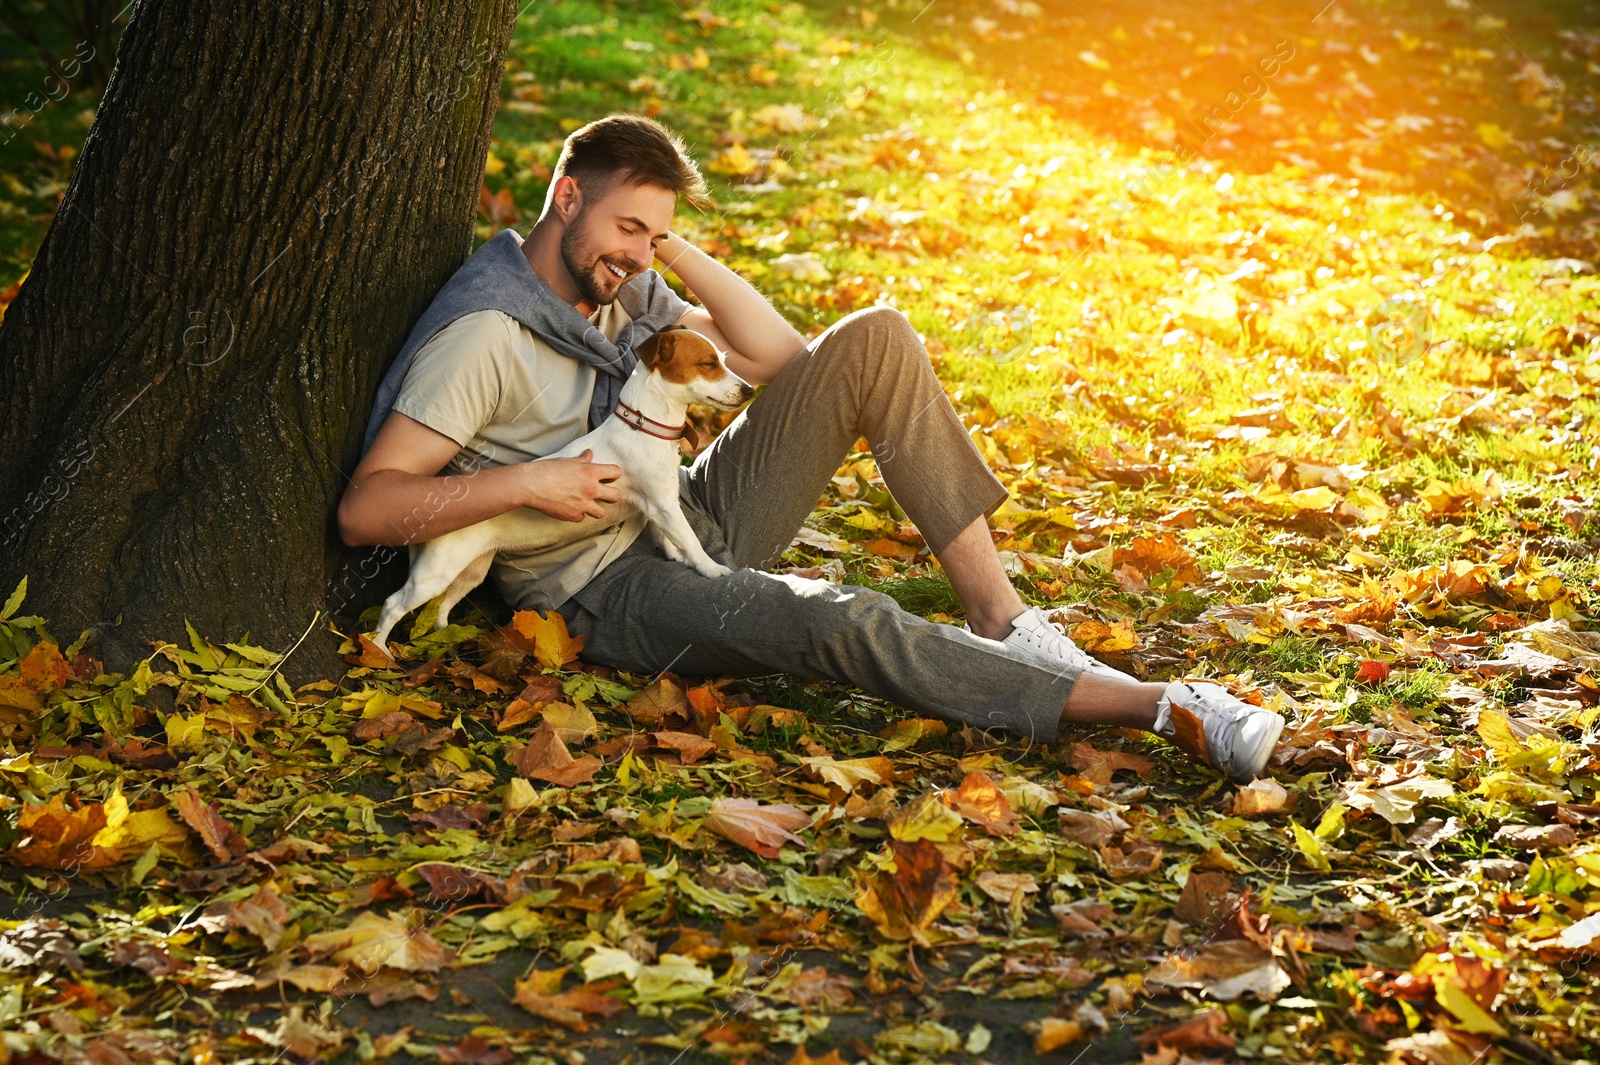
pixel 635 420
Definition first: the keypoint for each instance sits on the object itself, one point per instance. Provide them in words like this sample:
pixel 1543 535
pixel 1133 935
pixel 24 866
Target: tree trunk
pixel 271 194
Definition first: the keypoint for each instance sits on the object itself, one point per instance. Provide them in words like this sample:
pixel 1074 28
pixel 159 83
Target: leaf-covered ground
pixel 1278 322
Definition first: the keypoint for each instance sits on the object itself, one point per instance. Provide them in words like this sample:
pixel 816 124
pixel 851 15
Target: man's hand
pixel 571 489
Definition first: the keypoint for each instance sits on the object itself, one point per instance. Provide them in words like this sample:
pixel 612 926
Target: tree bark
pixel 272 192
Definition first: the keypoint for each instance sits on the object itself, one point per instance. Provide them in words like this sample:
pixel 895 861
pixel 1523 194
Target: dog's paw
pixel 712 569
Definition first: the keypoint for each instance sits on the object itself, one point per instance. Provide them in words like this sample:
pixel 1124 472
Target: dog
pixel 676 367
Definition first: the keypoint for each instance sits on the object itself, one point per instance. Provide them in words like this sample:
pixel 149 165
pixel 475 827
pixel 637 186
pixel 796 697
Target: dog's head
pixel 687 361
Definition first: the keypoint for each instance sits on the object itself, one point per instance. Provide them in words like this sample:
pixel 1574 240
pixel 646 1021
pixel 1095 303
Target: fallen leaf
pixel 375 941
pixel 902 904
pixel 545 757
pixel 763 828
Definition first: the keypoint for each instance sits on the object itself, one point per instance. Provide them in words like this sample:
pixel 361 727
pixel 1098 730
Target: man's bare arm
pixel 396 496
pixel 759 342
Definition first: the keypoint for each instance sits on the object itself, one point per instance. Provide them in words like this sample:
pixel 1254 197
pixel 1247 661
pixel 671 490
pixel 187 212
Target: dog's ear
pixel 658 347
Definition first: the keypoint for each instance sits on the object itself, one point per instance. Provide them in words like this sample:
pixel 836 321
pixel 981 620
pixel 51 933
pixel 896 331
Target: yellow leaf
pixel 1310 848
pixel 553 646
pixel 925 817
pixel 494 164
pixel 1472 1016
pixel 1493 135
pixel 1496 732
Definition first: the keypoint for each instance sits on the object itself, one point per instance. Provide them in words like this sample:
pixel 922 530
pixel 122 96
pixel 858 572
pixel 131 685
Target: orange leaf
pixel 553 646
pixel 43 668
pixel 56 837
pixel 567 1009
pixel 1097 765
pixel 981 802
pixel 1371 671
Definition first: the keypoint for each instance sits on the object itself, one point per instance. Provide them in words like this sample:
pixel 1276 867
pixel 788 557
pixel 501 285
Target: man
pixel 481 396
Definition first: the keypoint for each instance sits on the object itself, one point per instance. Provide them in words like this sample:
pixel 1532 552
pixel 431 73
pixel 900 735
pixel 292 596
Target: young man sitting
pixel 519 355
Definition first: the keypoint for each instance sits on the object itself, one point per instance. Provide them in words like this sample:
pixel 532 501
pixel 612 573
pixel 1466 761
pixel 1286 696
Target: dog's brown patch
pixel 680 355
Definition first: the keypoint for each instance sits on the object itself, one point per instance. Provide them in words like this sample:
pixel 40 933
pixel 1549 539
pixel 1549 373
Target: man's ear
pixel 569 197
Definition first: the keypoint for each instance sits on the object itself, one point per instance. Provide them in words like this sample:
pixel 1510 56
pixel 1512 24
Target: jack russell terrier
pixel 677 366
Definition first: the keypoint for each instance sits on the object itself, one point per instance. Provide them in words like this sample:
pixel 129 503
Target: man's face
pixel 612 240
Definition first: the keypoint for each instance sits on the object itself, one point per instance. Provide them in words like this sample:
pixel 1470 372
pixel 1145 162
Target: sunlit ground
pixel 1278 321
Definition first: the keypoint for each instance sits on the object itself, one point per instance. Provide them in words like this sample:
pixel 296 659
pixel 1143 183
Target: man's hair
pixel 629 148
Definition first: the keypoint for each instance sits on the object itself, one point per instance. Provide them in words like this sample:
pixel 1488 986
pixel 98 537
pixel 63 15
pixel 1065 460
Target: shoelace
pixel 1063 648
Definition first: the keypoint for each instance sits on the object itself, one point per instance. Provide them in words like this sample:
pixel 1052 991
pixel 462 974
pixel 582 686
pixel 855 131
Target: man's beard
pixel 582 265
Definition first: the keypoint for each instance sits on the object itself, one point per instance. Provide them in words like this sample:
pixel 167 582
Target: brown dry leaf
pixel 1200 1034
pixel 1085 918
pixel 1224 970
pixel 545 757
pixel 761 828
pixel 1006 887
pixel 370 654
pixel 904 903
pixel 553 646
pixel 690 748
pixel 655 704
pixel 570 1009
pixel 1189 735
pixel 980 801
pixel 262 915
pixel 1099 638
pixel 1203 895
pixel 1093 829
pixel 220 838
pixel 1097 765
pixel 376 941
pixel 817 985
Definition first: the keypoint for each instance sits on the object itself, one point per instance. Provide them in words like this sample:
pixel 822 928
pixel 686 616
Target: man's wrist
pixel 671 249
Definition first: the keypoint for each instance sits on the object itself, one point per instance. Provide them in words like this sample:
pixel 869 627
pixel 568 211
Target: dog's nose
pixel 745 391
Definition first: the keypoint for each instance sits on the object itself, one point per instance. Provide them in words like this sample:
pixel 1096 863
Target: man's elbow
pixel 348 518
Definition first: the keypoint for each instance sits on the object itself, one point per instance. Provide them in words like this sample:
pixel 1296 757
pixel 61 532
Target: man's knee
pixel 880 331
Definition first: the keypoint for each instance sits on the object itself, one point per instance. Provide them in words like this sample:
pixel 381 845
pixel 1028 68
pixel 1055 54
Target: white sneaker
pixel 1032 631
pixel 1208 722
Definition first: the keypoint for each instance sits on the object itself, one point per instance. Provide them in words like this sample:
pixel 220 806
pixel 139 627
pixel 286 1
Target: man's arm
pixel 395 496
pixel 736 317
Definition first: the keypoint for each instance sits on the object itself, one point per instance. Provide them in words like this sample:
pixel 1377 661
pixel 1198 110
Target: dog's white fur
pixel 672 372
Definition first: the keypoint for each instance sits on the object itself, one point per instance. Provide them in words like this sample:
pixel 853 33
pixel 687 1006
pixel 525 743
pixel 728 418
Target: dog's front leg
pixel 669 547
pixel 670 524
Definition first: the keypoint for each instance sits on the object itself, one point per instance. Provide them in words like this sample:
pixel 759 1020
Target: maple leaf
pixel 377 941
pixel 1371 671
pixel 763 828
pixel 657 703
pixel 902 904
pixel 1099 638
pixel 1097 765
pixel 551 644
pixel 570 1009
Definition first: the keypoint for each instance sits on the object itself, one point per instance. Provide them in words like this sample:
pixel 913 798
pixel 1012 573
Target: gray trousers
pixel 748 494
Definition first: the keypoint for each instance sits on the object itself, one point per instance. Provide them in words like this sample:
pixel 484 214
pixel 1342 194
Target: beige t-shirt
pixel 505 396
